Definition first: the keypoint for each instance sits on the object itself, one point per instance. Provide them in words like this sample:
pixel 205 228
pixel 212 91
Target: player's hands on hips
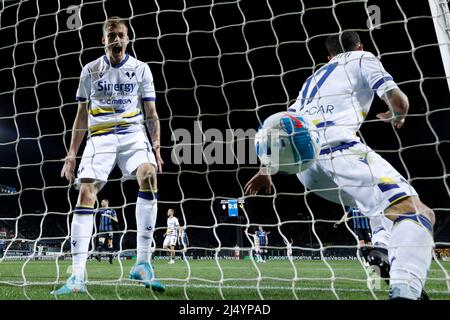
pixel 257 182
pixel 69 168
pixel 397 120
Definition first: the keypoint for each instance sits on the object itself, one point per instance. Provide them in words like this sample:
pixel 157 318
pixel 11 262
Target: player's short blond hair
pixel 113 22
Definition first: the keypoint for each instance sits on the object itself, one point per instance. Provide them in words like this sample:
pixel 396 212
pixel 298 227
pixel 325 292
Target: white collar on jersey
pixel 118 65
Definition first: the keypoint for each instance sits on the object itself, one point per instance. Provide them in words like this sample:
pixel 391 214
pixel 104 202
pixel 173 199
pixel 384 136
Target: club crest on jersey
pixel 129 75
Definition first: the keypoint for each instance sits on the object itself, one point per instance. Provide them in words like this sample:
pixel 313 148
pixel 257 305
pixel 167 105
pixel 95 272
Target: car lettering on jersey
pixel 104 86
pixel 320 109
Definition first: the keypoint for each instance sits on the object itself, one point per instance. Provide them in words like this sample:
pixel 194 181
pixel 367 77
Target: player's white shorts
pixel 356 176
pixel 102 153
pixel 170 241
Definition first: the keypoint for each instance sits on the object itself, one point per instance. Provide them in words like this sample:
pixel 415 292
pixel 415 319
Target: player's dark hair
pixel 113 22
pixel 347 41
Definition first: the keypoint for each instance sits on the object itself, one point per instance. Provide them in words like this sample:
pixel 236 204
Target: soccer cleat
pixel 423 296
pixel 378 259
pixel 143 272
pixel 72 285
pixel 171 261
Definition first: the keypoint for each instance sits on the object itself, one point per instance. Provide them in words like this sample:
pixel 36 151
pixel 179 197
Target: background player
pixel 172 233
pixel 183 240
pixel 360 226
pixel 114 93
pixel 257 249
pixel 288 247
pixel 336 98
pixel 263 240
pixel 107 216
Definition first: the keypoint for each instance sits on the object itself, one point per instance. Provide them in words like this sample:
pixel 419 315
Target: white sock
pixel 82 225
pixel 146 210
pixel 381 230
pixel 410 254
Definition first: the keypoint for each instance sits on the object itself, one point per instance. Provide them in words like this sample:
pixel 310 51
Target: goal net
pixel 220 68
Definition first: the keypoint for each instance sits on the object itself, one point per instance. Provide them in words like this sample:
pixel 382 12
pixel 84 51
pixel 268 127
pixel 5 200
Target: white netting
pixel 220 68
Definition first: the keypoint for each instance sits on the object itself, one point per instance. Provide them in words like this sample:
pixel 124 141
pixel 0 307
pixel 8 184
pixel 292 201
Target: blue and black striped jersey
pixel 106 223
pixel 359 221
pixel 262 237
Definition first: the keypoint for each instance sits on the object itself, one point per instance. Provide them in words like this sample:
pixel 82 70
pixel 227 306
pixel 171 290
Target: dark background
pixel 229 65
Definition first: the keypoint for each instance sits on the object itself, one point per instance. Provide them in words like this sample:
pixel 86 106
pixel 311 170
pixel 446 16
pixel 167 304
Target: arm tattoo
pixel 153 129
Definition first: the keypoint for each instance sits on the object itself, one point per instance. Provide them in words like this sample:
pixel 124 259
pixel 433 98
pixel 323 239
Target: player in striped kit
pixel 107 216
pixel 116 97
pixel 360 225
pixel 337 98
pixel 263 241
pixel 172 233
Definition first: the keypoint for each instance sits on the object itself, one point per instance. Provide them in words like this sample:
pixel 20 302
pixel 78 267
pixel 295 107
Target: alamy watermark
pixel 211 146
pixel 374 19
pixel 74 20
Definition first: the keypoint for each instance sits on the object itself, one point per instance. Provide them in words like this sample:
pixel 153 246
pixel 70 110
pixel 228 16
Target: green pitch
pixel 201 279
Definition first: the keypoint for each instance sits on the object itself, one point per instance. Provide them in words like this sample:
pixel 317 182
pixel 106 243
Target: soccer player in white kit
pixel 337 98
pixel 114 93
pixel 172 233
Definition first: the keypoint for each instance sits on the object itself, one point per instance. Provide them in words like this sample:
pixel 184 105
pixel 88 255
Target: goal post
pixel 441 20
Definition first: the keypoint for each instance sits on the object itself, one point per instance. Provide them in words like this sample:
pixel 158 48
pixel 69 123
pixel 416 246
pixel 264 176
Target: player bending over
pixel 172 233
pixel 113 92
pixel 349 172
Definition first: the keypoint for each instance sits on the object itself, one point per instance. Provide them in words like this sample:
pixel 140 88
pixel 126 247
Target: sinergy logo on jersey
pixel 112 89
pixel 117 87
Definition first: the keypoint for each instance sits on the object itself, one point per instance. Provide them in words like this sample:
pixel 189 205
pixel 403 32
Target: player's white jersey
pixel 256 241
pixel 172 226
pixel 338 105
pixel 115 94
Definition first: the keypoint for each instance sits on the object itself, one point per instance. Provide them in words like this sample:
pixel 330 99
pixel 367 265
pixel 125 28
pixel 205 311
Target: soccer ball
pixel 287 143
